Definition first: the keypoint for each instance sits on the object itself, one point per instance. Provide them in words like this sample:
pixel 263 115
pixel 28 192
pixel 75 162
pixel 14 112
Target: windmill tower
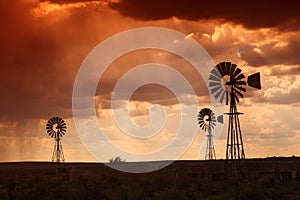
pixel 227 84
pixel 56 128
pixel 207 121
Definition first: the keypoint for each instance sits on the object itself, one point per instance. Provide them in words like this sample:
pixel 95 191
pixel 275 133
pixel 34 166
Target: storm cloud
pixel 251 14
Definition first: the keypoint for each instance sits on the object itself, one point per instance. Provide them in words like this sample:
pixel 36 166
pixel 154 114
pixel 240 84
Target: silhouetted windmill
pixel 56 128
pixel 227 83
pixel 207 121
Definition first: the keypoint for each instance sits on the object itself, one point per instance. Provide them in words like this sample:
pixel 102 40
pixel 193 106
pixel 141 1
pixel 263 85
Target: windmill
pixel 207 121
pixel 227 84
pixel 56 128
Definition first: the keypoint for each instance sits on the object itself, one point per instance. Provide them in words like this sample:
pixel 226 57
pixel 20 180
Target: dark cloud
pixel 67 1
pixel 252 14
pixel 273 54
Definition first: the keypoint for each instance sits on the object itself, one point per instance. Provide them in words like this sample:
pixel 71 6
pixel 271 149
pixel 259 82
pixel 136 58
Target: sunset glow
pixel 44 43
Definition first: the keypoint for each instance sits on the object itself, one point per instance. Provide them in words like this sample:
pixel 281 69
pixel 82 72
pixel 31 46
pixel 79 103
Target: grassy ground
pixel 171 183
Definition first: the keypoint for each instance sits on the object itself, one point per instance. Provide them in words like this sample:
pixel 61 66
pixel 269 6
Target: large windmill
pixel 56 128
pixel 227 84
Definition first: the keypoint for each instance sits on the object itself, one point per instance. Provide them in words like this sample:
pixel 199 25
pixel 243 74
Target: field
pixel 270 178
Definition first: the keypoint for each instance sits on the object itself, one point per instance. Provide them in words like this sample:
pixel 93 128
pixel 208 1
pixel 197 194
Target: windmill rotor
pixel 206 118
pixel 56 127
pixel 226 81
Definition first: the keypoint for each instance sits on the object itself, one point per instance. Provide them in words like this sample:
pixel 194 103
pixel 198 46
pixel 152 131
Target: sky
pixel 43 44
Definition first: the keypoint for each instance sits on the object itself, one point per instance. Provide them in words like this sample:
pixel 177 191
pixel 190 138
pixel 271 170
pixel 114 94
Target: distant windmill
pixel 207 121
pixel 56 128
pixel 226 83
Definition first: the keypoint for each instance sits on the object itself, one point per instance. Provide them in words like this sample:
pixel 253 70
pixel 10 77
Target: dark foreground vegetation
pixel 276 178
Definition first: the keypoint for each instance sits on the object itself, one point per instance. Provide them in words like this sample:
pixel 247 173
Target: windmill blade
pixel 202 126
pixel 216 73
pixel 223 67
pixel 201 123
pixel 232 69
pixel 212 114
pixel 227 68
pixel 240 88
pixel 216 89
pixel 206 111
pixel 219 67
pixel 59 121
pixel 199 117
pixel 236 98
pixel 213 84
pixel 239 77
pixel 212 125
pixel 52 133
pixel 199 114
pixel 254 80
pixel 49 130
pixel 56 120
pixel 241 83
pixel 238 92
pixel 49 125
pixel 218 94
pixel 213 78
pixel 51 121
pixel 236 72
pixel 222 97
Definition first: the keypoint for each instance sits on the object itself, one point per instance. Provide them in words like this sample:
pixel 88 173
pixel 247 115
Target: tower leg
pixel 58 155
